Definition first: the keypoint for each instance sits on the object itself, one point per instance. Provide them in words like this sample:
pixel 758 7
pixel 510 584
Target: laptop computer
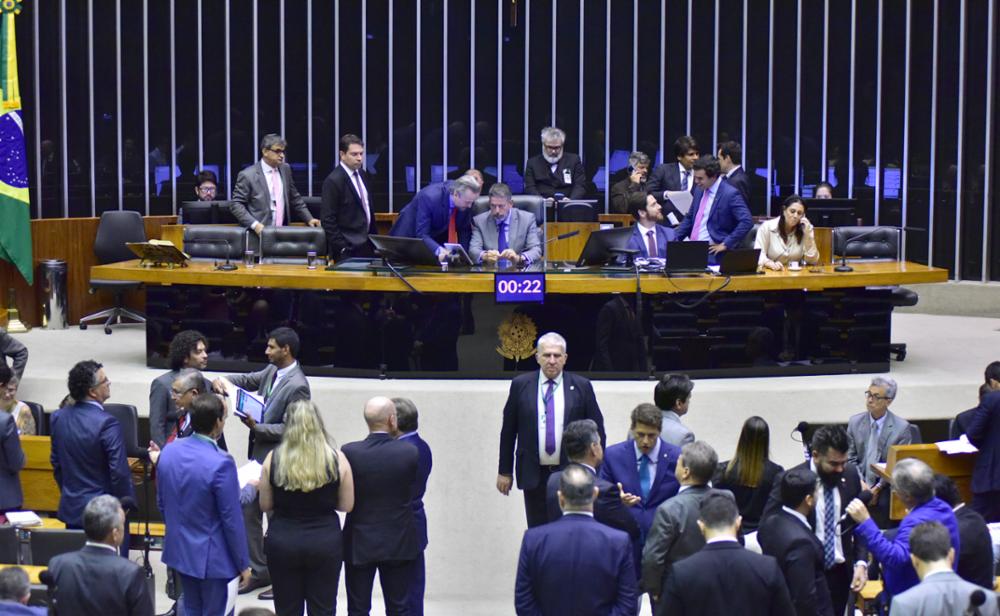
pixel 686 258
pixel 740 262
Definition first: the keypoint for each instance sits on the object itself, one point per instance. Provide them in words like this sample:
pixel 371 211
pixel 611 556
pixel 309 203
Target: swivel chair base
pixel 898 349
pixel 113 315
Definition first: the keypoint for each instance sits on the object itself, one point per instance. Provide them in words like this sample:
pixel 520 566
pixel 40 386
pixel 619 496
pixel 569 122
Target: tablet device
pixel 249 405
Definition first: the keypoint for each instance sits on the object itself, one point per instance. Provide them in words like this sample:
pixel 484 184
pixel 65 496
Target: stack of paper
pixel 23 518
pixel 962 445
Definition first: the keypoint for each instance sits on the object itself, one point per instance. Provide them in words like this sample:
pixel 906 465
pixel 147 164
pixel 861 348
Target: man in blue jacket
pixel 983 428
pixel 718 213
pixel 406 431
pixel 440 213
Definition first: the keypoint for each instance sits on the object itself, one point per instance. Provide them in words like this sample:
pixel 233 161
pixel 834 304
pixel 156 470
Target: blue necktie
pixel 829 528
pixel 502 242
pixel 550 417
pixel 644 479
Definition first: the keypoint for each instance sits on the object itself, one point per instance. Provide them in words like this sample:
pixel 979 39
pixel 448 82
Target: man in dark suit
pixel 730 156
pixel 88 452
pixel 958 426
pixel 380 534
pixel 347 213
pixel 649 237
pixel 95 580
pixel 504 233
pixel 539 406
pixel 675 175
pixel 265 194
pixel 788 537
pixel 984 432
pixel 188 349
pixel 674 534
pixel 440 213
pixel 845 560
pixel 618 342
pixel 575 565
pixel 975 553
pixel 406 431
pixel 724 578
pixel 15 350
pixel 718 213
pixel 279 384
pixel 555 170
pixel 12 457
pixel 581 443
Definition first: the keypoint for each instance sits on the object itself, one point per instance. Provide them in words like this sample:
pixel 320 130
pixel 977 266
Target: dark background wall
pixel 434 84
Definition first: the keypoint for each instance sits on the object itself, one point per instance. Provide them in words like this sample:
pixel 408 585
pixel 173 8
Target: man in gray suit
pixel 675 534
pixel 265 194
pixel 941 590
pixel 17 352
pixel 672 396
pixel 505 232
pixel 279 384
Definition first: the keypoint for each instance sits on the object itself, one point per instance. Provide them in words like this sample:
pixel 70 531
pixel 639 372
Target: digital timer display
pixel 514 287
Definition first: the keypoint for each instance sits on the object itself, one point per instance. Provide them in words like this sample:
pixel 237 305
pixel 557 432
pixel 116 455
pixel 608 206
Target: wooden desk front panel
pixel 41 492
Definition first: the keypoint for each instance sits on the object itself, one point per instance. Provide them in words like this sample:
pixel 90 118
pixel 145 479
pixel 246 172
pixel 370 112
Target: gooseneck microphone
pixel 802 428
pixel 976 599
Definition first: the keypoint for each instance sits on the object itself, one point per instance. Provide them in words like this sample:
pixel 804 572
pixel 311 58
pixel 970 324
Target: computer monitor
pixel 196 213
pixel 404 250
pixel 598 249
pixel 831 212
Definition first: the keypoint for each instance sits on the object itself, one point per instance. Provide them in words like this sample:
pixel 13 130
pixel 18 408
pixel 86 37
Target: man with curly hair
pixel 188 349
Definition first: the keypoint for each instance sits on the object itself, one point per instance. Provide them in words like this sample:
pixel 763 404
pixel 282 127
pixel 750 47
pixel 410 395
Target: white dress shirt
pixel 653 456
pixel 359 189
pixel 821 530
pixel 773 248
pixel 560 407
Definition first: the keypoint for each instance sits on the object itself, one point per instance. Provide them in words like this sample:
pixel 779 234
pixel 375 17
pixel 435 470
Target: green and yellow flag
pixel 15 212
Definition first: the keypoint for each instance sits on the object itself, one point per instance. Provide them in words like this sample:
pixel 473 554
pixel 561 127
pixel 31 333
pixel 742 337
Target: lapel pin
pixel 571 387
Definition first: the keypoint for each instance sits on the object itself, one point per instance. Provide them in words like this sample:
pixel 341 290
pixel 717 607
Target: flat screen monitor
pixel 598 249
pixel 404 250
pixel 831 212
pixel 196 213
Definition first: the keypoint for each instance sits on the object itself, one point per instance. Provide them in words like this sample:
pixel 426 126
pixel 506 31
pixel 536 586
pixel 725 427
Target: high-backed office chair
pixel 10 546
pixel 534 204
pixel 207 242
pixel 46 544
pixel 576 211
pixel 41 420
pixel 315 205
pixel 116 228
pixel 291 244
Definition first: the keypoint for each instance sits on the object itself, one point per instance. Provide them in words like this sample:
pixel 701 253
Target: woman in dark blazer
pixel 750 474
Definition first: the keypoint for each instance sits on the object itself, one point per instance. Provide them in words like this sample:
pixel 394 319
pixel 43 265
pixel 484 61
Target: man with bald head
pixel 379 533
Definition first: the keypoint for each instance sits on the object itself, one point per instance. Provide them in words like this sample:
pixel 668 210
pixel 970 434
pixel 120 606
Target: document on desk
pixel 250 470
pixel 960 445
pixel 23 518
pixel 681 200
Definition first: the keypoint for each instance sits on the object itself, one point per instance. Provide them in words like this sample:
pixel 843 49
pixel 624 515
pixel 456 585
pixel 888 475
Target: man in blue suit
pixel 984 431
pixel 718 213
pixel 649 237
pixel 643 468
pixel 88 453
pixel 199 495
pixel 440 213
pixel 15 590
pixel 406 431
pixel 575 565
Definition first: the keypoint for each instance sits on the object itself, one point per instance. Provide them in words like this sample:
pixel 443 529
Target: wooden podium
pixel 957 466
pixel 41 493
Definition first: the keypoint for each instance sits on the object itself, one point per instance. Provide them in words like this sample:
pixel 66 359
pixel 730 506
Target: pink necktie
pixel 361 196
pixel 650 243
pixel 276 197
pixel 696 229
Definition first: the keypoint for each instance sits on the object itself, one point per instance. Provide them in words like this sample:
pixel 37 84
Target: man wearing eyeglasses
pixel 206 186
pixel 871 434
pixel 265 194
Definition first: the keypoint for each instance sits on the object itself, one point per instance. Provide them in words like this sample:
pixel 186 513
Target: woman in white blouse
pixel 787 238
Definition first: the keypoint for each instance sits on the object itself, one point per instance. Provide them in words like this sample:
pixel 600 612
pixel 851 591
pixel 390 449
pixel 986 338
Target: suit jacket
pixel 638 240
pixel 343 215
pixel 800 555
pixel 11 462
pixel 381 528
pixel 94 581
pixel 729 220
pixel 894 555
pixel 895 431
pixel 522 235
pixel 673 536
pixel 608 508
pixel 577 566
pixel 13 348
pixel 88 458
pixel 725 578
pixel 958 427
pixel 620 466
pixel 427 215
pixel 199 495
pixel 267 434
pixel 620 193
pixel 539 179
pixel 975 558
pixel 665 177
pixel 984 432
pixel 741 182
pixel 424 463
pixel 941 593
pixel 163 413
pixel 520 423
pixel 751 500
pixel 618 337
pixel 673 430
pixel 252 198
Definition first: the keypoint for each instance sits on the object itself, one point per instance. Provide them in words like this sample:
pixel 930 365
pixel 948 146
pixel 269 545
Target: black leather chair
pixel 576 211
pixel 116 228
pixel 41 420
pixel 214 242
pixel 315 205
pixel 751 237
pixel 880 243
pixel 46 544
pixel 10 546
pixel 534 204
pixel 290 244
pixel 128 417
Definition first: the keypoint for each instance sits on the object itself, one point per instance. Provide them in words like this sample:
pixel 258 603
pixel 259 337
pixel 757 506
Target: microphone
pixel 976 599
pixel 562 237
pixel 45 577
pixel 227 266
pixel 844 267
pixel 802 428
pixel 865 497
pixel 128 504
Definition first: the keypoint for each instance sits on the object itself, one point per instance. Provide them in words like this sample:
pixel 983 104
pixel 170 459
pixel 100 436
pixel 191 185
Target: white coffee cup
pixel 794 266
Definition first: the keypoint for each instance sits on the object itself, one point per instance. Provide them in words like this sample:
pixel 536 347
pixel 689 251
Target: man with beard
pixel 844 559
pixel 649 237
pixel 554 170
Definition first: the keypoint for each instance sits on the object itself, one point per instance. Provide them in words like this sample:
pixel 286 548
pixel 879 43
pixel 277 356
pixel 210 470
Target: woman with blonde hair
pixel 304 482
pixel 750 474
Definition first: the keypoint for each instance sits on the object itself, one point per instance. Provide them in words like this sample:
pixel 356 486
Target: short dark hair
pixel 647 415
pixel 819 185
pixel 205 411
pixel 992 371
pixel 946 490
pixel 708 164
pixel 6 374
pixel 701 460
pixel 286 337
pixel 718 509
pixel 684 144
pixel 796 485
pixel 578 436
pixel 731 150
pixel 183 344
pixel 348 140
pixel 101 516
pixel 827 437
pixel 206 175
pixel 270 140
pixel 82 377
pixel 636 203
pixel 406 414
pixel 14 584
pixel 930 542
pixel 577 485
pixel 671 389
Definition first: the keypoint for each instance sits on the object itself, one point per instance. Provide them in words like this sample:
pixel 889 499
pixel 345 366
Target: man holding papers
pixel 279 384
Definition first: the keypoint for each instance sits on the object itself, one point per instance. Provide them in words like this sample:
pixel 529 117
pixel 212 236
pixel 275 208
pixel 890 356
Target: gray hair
pixel 501 190
pixel 190 378
pixel 464 183
pixel 577 486
pixel 552 338
pixel 701 460
pixel 551 133
pixel 270 140
pixel 638 158
pixel 102 515
pixel 406 414
pixel 14 584
pixel 913 480
pixel 888 383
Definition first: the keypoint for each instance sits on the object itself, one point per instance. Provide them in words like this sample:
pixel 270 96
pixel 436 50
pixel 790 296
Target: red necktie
pixel 452 232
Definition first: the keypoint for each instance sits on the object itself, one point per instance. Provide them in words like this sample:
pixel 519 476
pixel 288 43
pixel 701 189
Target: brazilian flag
pixel 15 215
